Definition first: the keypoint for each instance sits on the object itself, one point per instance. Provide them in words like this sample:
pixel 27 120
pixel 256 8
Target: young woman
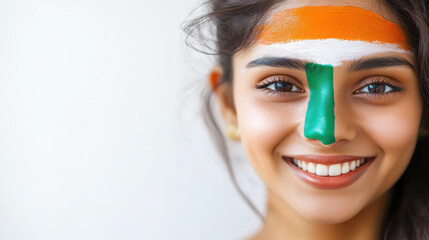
pixel 330 101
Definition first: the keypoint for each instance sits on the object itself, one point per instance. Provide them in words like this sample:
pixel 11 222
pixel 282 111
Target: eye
pixel 279 85
pixel 283 87
pixel 379 86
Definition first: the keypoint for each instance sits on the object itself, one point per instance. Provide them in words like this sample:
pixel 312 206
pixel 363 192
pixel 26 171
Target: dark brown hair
pixel 233 25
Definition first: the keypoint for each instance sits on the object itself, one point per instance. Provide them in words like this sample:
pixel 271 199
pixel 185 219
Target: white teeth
pixel 328 170
pixel 353 165
pixel 304 166
pixel 321 170
pixel 335 170
pixel 311 168
pixel 346 168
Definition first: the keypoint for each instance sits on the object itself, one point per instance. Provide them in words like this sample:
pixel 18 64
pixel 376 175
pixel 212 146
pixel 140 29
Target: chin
pixel 329 211
pixel 334 217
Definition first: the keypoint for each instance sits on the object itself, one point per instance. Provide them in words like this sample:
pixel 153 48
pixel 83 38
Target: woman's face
pixel 343 102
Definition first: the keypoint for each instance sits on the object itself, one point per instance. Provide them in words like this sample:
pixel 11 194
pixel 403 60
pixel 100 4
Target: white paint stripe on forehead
pixel 329 51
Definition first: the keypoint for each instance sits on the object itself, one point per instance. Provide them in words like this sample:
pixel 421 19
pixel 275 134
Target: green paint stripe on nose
pixel 320 118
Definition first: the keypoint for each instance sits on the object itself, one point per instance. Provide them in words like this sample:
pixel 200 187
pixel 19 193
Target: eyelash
pixel 379 81
pixel 278 79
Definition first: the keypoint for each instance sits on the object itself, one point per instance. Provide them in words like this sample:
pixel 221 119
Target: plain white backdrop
pixel 100 132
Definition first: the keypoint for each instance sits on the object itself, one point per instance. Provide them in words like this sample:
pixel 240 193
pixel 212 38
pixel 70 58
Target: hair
pixel 235 27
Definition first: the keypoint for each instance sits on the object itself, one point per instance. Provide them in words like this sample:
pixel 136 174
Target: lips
pixel 328 172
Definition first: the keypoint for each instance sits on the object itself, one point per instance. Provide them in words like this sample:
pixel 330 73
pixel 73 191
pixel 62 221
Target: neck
pixel 281 222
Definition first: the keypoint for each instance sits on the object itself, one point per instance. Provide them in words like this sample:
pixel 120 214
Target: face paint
pixel 320 118
pixel 328 22
pixel 326 36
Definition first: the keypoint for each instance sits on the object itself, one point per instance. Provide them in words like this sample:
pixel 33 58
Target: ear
pixel 223 92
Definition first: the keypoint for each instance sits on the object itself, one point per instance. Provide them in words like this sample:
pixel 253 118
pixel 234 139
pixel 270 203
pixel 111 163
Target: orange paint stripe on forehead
pixel 325 22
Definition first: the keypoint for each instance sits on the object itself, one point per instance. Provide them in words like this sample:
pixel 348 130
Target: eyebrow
pixel 381 62
pixel 357 65
pixel 277 62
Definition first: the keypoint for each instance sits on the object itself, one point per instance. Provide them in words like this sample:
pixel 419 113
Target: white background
pixel 100 134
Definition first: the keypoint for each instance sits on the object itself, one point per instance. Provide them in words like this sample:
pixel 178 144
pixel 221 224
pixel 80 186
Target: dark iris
pixel 376 88
pixel 283 87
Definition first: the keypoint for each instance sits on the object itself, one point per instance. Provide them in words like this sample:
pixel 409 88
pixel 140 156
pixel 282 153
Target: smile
pixel 328 171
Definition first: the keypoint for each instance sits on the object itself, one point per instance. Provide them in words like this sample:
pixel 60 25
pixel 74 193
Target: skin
pixel 272 125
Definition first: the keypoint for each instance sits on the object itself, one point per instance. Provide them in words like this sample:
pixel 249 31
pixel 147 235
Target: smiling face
pixel 329 120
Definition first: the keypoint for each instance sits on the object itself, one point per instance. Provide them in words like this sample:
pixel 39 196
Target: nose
pixel 320 117
pixel 330 129
pixel 324 120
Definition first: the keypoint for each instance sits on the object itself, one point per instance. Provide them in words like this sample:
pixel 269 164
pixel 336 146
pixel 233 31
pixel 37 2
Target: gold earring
pixel 232 132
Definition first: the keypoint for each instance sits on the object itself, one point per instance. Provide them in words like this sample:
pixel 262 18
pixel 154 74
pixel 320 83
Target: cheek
pixel 394 128
pixel 264 125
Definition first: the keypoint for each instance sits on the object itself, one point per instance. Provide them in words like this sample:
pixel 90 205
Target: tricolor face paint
pixel 325 37
pixel 331 35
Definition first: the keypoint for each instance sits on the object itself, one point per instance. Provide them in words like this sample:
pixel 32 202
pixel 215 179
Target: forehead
pixel 375 6
pixel 325 22
pixel 330 34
